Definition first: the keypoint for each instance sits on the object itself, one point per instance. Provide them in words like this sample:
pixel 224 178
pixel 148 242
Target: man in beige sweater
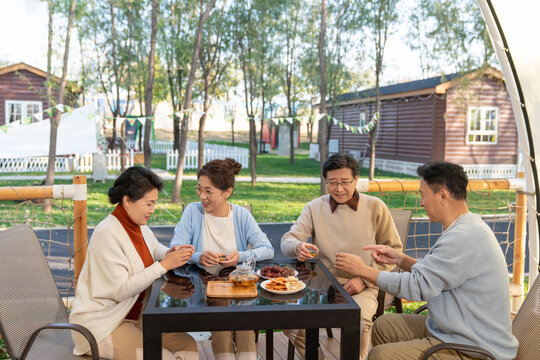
pixel 343 221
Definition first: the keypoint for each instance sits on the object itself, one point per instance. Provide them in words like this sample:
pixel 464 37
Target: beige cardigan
pixel 344 230
pixel 111 279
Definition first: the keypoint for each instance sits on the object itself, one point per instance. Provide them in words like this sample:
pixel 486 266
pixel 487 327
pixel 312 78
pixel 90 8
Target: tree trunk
pixel 291 141
pixel 379 48
pixel 176 132
pixel 149 87
pixel 116 111
pixel 50 100
pixel 55 121
pixel 232 131
pixel 323 144
pixel 252 150
pixel 123 146
pixel 261 145
pixel 202 121
pixel 203 16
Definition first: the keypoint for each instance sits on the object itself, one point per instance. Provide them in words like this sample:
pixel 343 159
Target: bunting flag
pixel 28 120
pixel 281 120
pixel 181 112
pixel 120 120
pixel 354 129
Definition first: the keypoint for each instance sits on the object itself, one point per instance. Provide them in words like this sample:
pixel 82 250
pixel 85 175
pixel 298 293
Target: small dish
pixel 285 292
pixel 269 278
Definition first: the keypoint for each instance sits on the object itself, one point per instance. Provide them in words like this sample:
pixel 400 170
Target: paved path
pixel 165 175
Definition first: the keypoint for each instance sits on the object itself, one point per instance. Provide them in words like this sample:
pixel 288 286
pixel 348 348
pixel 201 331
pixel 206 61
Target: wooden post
pixel 80 236
pixel 520 231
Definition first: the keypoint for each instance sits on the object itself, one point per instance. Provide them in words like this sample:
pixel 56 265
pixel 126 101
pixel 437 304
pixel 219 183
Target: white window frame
pixel 482 132
pixel 24 105
pixel 362 119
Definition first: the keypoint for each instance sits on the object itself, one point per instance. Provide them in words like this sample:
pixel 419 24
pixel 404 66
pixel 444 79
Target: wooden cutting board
pixel 226 289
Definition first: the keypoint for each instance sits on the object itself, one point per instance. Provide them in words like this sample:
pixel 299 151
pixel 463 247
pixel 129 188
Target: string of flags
pixel 131 120
pixel 354 129
pixel 108 121
pixel 28 120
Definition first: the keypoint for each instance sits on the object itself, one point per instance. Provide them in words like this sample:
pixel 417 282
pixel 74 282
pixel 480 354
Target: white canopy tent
pixel 77 133
pixel 513 26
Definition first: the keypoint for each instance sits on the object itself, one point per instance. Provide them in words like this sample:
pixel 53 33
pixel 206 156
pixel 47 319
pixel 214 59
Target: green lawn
pixel 272 202
pixel 272 165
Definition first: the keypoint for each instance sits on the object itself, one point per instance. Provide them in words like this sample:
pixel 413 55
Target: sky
pixel 23 25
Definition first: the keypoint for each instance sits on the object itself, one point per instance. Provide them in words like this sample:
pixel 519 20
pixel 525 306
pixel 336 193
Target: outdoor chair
pixel 402 219
pixel 33 319
pixel 525 327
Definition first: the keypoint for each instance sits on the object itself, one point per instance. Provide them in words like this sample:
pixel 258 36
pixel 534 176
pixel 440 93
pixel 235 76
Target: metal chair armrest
pixel 79 328
pixel 457 347
pixel 420 309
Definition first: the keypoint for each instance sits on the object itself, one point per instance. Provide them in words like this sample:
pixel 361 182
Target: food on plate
pixel 285 284
pixel 276 271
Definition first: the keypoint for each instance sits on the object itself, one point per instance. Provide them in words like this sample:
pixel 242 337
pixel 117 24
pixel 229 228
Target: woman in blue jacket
pixel 223 235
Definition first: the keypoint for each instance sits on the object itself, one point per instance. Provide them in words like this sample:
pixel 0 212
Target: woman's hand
pixel 302 251
pixel 232 259
pixel 179 247
pixel 177 256
pixel 209 258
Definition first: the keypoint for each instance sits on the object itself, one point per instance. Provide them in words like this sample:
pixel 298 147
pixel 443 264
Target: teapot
pixel 244 275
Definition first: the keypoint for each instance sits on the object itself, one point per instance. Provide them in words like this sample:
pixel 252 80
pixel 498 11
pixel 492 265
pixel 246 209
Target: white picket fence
pixel 80 163
pixel 487 171
pixel 158 146
pixel 32 164
pixel 211 152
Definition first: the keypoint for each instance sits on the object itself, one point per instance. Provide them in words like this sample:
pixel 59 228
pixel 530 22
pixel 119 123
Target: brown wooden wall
pixel 21 85
pixel 489 92
pixel 405 132
pixel 426 128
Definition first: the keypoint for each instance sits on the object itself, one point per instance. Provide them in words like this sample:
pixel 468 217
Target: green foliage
pixel 449 32
pixel 3 350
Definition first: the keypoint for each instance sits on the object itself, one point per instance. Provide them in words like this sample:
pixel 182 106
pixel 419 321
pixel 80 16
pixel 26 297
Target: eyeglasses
pixel 343 183
pixel 207 192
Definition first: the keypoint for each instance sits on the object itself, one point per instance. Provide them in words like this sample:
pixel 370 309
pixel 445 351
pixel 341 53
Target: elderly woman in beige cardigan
pixel 123 260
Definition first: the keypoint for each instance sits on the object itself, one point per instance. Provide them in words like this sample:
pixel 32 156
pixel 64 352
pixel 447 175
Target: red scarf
pixel 135 234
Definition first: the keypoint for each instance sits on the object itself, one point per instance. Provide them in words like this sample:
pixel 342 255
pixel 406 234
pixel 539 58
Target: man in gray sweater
pixel 463 278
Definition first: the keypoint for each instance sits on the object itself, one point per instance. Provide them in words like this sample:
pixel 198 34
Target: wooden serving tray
pixel 226 289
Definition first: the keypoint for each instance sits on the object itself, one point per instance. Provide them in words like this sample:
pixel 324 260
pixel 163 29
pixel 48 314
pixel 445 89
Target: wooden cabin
pixel 461 118
pixel 23 93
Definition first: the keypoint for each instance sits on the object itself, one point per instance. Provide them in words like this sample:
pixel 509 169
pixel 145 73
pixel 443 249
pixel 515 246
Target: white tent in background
pixel 77 133
pixel 513 26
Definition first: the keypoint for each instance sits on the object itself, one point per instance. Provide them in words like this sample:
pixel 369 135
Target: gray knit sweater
pixel 464 280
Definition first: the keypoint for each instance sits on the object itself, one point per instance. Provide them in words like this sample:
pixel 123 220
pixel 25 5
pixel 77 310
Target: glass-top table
pixel 178 303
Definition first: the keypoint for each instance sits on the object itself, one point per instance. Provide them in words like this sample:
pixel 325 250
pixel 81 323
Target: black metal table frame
pixel 311 317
